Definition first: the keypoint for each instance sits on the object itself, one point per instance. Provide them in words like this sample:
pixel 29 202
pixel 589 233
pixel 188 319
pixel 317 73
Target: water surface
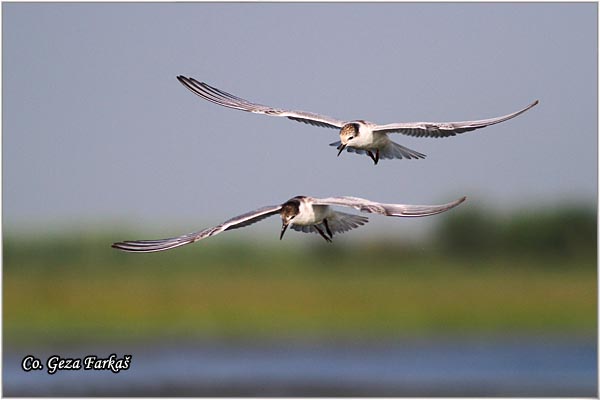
pixel 515 366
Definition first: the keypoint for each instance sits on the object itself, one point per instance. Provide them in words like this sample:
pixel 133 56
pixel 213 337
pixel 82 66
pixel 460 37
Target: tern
pixel 301 213
pixel 357 136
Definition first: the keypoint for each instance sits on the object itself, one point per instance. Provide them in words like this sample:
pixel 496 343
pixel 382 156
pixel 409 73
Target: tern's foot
pixel 327 239
pixel 374 157
pixel 327 228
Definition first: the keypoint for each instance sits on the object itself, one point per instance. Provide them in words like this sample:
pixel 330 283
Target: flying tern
pixel 357 136
pixel 301 213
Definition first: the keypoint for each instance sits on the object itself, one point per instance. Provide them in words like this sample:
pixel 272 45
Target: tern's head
pixel 288 212
pixel 347 135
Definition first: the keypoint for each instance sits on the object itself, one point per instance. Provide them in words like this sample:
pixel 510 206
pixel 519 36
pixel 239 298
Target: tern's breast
pixel 366 139
pixel 310 215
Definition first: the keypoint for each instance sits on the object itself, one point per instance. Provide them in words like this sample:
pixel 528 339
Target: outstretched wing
pixel 392 210
pixel 225 99
pixel 148 246
pixel 445 129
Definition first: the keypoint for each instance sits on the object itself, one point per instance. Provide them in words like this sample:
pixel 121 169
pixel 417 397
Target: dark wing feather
pixel 225 99
pixel 445 129
pixel 392 210
pixel 148 246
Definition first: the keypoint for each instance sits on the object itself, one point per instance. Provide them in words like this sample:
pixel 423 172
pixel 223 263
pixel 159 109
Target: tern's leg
pixel 377 156
pixel 327 228
pixel 371 155
pixel 375 159
pixel 322 233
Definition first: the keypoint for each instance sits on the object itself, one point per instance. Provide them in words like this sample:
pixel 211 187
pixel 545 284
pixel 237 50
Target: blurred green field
pixel 76 288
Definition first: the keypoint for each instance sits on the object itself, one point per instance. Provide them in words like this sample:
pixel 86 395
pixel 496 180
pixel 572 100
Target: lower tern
pixel 301 213
pixel 357 136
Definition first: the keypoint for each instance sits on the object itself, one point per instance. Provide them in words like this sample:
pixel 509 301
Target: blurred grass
pixel 76 288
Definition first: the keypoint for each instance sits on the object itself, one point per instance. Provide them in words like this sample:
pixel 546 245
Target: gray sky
pixel 97 129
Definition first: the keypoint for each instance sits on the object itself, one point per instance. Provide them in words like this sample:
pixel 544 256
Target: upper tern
pixel 357 136
pixel 301 213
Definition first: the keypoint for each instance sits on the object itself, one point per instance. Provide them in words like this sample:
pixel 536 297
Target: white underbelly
pixel 368 140
pixel 311 215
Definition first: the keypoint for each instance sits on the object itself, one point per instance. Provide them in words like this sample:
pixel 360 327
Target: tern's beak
pixel 283 228
pixel 341 148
